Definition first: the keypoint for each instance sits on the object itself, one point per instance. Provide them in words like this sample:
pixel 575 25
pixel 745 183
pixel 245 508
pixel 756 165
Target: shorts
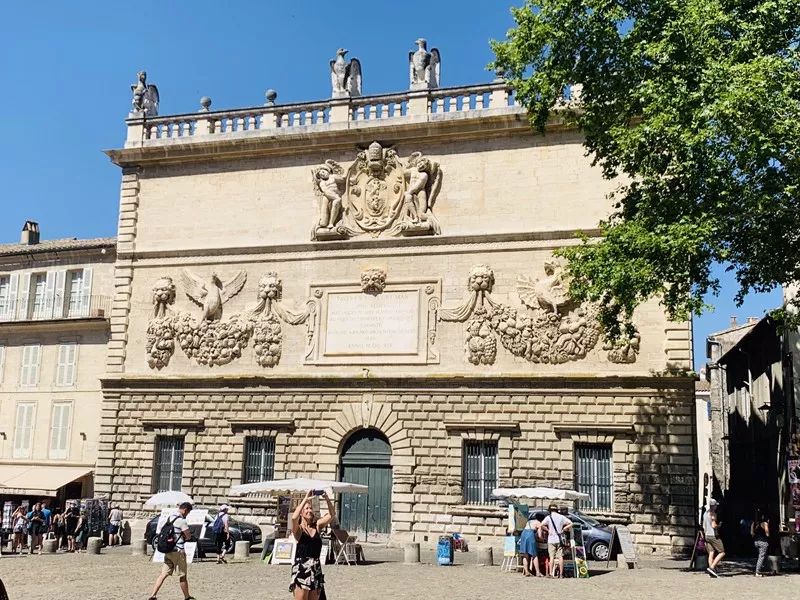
pixel 175 562
pixel 555 551
pixel 715 544
pixel 113 528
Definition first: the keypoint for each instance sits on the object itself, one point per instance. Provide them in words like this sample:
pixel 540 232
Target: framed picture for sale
pixel 283 554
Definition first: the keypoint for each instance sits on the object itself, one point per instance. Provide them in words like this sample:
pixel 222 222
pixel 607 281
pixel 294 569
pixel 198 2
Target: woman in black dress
pixel 308 582
pixel 71 518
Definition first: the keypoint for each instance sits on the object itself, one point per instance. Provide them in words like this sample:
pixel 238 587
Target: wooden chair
pixel 345 549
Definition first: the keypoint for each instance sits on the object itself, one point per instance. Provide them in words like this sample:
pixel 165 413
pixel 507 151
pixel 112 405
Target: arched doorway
pixel 366 459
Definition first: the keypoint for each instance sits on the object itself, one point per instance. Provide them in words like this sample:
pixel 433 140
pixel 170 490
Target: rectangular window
pixel 29 374
pixel 593 475
pixel 479 471
pixel 5 296
pixel 169 463
pixel 38 294
pixel 259 459
pixel 60 426
pixel 75 293
pixel 23 432
pixel 67 362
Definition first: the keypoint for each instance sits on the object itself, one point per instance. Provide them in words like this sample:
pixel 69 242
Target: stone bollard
pixel 241 550
pixel 139 547
pixel 49 546
pixel 485 556
pixel 411 553
pixel 93 545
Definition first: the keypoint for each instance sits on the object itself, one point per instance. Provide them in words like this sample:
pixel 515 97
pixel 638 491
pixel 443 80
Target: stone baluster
pixel 452 104
pixel 240 121
pixel 309 117
pixel 398 109
pixel 251 122
pixel 373 111
pixel 217 125
pixel 466 100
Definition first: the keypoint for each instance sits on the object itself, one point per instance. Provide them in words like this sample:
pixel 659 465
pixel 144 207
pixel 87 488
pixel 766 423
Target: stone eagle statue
pixel 424 68
pixel 345 77
pixel 211 294
pixel 145 96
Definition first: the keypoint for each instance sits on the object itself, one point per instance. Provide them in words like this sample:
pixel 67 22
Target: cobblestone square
pixel 116 575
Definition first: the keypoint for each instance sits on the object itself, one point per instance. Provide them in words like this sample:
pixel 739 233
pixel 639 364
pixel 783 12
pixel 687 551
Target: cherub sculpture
pixel 213 294
pixel 329 183
pixel 145 96
pixel 345 77
pixel 424 67
pixel 423 182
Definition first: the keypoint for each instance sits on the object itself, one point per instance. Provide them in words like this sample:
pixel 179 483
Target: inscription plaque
pixel 363 324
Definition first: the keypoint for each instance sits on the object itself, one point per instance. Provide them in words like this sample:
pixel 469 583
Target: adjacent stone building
pixel 55 304
pixel 364 288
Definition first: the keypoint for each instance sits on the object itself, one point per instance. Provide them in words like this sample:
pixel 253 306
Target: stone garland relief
pixel 378 195
pixel 550 329
pixel 210 340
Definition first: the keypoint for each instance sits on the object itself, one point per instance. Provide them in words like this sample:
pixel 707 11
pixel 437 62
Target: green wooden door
pixel 366 459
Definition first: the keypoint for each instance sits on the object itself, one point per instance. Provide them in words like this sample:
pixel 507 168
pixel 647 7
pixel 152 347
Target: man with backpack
pixel 221 533
pixel 170 540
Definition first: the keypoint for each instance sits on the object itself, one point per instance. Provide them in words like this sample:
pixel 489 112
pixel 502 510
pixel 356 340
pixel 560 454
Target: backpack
pixel 219 525
pixel 166 541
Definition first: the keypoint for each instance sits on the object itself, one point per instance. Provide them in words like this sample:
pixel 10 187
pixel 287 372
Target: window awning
pixel 38 480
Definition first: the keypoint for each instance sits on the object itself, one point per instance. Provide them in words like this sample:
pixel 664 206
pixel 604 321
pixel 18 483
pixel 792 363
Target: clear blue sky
pixel 67 68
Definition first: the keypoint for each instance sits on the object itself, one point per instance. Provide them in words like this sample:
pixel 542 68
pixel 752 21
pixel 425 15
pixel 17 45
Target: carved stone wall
pixel 536 430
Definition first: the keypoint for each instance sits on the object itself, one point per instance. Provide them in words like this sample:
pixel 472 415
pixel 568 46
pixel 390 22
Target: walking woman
pixel 308 582
pixel 19 523
pixel 760 532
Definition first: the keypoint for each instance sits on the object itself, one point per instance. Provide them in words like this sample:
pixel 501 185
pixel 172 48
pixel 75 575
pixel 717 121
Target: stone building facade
pixel 365 288
pixel 55 304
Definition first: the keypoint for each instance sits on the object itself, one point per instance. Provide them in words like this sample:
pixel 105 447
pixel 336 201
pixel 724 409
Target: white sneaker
pixel 712 572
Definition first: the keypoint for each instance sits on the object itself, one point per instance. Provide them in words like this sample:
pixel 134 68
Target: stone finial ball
pixel 205 102
pixel 270 95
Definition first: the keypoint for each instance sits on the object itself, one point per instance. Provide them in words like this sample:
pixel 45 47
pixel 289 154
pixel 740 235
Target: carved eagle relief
pixel 211 294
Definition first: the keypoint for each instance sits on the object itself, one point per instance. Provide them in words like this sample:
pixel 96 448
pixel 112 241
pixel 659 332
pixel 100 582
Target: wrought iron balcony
pixel 87 307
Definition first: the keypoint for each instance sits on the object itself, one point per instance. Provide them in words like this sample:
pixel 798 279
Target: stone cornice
pixel 239 424
pixel 167 421
pixel 447 244
pixel 471 425
pixel 680 386
pixel 623 430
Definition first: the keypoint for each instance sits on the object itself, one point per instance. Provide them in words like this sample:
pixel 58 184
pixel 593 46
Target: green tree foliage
pixel 693 106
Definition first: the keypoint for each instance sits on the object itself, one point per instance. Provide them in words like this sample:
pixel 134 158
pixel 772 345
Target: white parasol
pixel 172 498
pixel 282 487
pixel 543 493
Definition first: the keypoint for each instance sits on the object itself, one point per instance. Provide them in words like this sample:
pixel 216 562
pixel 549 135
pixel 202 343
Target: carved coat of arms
pixel 377 195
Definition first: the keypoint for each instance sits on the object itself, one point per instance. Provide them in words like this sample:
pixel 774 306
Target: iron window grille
pixel 593 475
pixel 259 459
pixel 480 471
pixel 169 463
